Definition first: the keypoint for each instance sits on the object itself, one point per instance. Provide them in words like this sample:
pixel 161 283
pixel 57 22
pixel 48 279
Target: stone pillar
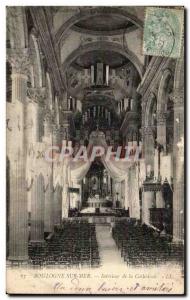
pixel 64 101
pixel 114 189
pixel 33 126
pixel 37 210
pixel 178 154
pixel 48 124
pixel 56 136
pixel 49 206
pixel 161 129
pixel 147 136
pixel 35 112
pixel 147 202
pixel 92 75
pixel 107 75
pixel 65 192
pixel 57 195
pixel 34 132
pixel 134 206
pixel 18 218
pixel 149 151
pixel 57 205
pixel 126 204
pixel 49 192
pixel 18 215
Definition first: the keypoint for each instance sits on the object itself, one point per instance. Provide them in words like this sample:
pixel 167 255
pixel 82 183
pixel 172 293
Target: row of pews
pixel 73 244
pixel 142 245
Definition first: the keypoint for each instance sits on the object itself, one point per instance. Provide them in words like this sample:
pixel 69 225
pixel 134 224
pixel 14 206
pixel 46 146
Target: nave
pixel 140 245
pixel 80 244
pixel 73 244
pixel 71 87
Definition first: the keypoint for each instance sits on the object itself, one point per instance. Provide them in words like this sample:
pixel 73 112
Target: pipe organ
pixel 99 74
pixel 97 112
pixel 125 104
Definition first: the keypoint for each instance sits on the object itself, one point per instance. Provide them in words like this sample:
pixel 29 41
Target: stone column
pixel 49 206
pixel 92 74
pixel 161 129
pixel 123 194
pixel 65 192
pixel 36 113
pixel 18 217
pixel 34 131
pixel 57 195
pixel 114 193
pixel 64 101
pixel 56 136
pixel 37 210
pixel 57 204
pixel 147 202
pixel 107 75
pixel 148 149
pixel 49 192
pixel 147 135
pixel 126 204
pixel 178 154
pixel 134 206
pixel 48 124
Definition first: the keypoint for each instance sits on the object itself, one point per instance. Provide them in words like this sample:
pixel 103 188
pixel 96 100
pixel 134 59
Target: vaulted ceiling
pixel 79 37
pixel 108 57
pixel 74 41
pixel 103 24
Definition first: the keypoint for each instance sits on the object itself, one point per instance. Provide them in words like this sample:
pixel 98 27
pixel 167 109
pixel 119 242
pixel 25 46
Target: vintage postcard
pixel 95 150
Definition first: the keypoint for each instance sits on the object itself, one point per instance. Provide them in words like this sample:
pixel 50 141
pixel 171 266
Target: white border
pixel 3 4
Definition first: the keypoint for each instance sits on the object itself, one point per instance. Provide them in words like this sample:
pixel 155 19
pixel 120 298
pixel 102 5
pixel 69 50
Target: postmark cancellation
pixel 163 32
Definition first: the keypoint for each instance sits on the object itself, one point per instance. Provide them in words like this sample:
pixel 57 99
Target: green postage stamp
pixel 163 32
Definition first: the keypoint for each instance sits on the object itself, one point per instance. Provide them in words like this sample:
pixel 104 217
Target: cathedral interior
pixel 77 76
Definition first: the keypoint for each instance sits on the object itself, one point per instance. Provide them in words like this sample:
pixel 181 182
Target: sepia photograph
pixel 95 139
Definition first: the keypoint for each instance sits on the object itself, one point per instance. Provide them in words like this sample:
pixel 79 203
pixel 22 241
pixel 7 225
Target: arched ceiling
pixel 108 57
pixel 122 18
pixel 66 44
pixel 115 49
pixel 74 39
pixel 103 24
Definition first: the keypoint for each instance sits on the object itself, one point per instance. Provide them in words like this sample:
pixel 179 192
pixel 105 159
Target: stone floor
pixel 108 251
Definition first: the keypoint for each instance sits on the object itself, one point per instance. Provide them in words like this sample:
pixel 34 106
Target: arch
pixel 57 112
pixel 37 70
pixel 150 132
pixel 85 14
pixel 103 46
pixel 49 90
pixel 162 90
pixel 164 125
pixel 179 74
pixel 149 107
pixel 17 27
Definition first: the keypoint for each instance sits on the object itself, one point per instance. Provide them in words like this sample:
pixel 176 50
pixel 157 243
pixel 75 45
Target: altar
pixel 95 201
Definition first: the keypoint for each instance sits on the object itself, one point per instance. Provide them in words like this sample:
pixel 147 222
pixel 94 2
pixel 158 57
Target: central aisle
pixel 108 251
